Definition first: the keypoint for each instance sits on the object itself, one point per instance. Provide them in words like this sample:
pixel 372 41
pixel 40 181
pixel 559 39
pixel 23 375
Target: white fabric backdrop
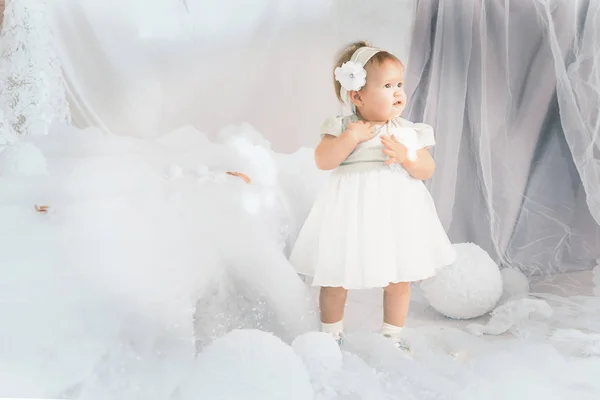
pixel 511 86
pixel 146 67
pixel 514 90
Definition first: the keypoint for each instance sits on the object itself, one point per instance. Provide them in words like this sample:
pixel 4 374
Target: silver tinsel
pixel 233 304
pixel 32 88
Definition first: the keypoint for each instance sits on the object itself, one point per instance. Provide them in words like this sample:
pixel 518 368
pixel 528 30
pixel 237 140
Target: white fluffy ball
pixel 22 158
pixel 202 171
pixel 320 353
pixel 174 171
pixel 249 364
pixel 469 288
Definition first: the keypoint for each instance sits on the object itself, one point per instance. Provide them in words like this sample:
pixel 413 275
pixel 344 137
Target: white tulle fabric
pixel 512 89
pixel 368 229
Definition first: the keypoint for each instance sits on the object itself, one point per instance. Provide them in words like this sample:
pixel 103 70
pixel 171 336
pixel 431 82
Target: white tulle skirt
pixel 368 229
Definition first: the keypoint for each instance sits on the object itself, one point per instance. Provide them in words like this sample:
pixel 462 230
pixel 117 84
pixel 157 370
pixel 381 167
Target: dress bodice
pixel 371 151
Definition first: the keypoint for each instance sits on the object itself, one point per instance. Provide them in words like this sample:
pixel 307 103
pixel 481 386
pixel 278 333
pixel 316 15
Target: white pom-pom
pixel 202 171
pixel 249 364
pixel 242 135
pixel 174 171
pixel 469 288
pixel 320 353
pixel 22 158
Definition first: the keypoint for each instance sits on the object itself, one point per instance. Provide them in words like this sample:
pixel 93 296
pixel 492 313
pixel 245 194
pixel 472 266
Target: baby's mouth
pixel 398 103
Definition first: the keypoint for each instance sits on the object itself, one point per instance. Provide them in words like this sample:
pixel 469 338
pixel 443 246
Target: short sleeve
pixel 332 126
pixel 426 135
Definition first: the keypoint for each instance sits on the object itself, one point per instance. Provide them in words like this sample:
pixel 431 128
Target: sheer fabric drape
pixel 513 88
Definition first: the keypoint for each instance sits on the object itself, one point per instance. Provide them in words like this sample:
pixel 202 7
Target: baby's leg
pixel 396 297
pixel 331 303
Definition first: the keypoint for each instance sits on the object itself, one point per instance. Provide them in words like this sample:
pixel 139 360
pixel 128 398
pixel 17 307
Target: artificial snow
pixel 22 159
pixel 248 364
pixel 514 283
pixel 144 281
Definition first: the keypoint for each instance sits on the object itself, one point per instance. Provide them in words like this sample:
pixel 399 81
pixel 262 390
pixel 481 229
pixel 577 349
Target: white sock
pixel 391 330
pixel 332 329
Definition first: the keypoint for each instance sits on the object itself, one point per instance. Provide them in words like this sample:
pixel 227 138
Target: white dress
pixel 373 224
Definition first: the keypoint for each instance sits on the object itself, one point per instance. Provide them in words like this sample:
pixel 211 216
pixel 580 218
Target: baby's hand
pixel 396 151
pixel 359 131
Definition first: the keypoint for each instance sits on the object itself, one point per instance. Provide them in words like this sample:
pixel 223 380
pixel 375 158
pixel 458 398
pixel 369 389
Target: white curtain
pixel 146 67
pixel 513 88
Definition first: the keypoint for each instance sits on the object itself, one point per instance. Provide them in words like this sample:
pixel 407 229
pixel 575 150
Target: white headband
pixel 352 75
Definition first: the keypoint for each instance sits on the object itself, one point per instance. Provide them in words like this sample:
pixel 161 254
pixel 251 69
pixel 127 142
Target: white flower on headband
pixel 351 75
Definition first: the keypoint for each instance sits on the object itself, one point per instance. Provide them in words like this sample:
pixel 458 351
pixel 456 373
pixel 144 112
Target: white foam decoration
pixel 22 159
pixel 469 288
pixel 249 364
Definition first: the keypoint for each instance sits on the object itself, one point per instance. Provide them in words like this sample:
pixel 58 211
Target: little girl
pixel 375 224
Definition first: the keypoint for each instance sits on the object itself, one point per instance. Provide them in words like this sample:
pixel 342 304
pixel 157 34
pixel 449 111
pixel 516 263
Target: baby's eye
pixel 400 84
pixel 388 85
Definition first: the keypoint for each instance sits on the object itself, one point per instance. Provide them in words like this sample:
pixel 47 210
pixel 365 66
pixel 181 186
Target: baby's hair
pixel 346 54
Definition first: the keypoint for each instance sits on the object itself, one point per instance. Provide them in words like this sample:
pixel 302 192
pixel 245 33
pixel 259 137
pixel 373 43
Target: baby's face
pixel 383 97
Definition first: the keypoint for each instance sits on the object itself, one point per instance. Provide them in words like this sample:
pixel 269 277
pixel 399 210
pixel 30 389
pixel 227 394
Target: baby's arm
pixel 332 150
pixel 336 146
pixel 423 167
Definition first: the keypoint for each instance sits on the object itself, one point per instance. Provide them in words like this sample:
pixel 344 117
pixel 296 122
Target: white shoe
pixel 338 337
pixel 400 343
